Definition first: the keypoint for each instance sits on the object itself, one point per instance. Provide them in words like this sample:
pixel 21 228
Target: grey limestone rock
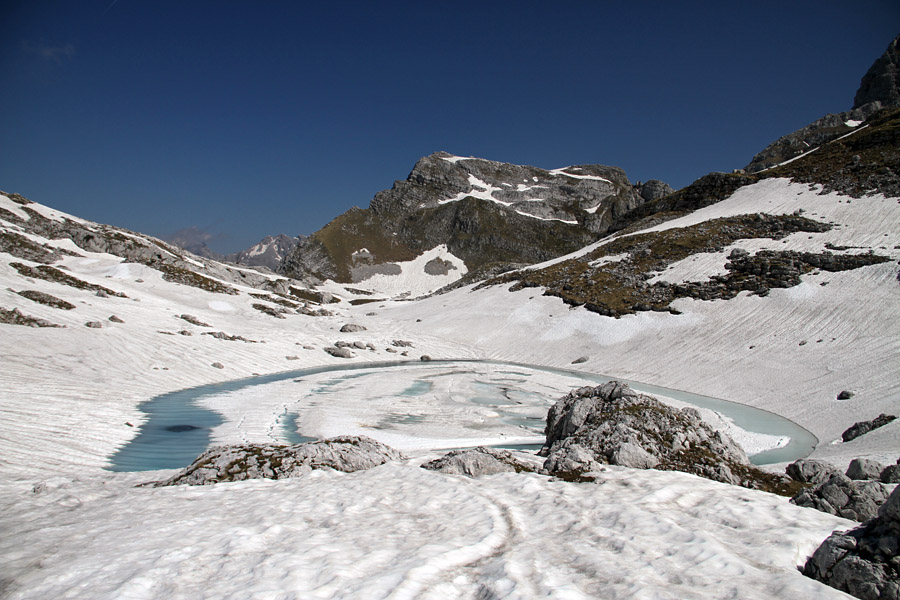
pixel 863 562
pixel 891 474
pixel 115 319
pixel 439 266
pixel 94 324
pixel 839 495
pixel 653 190
pixel 352 328
pixel 863 427
pixel 864 469
pixel 271 461
pixel 613 424
pixel 475 462
pixel 338 352
pixel 881 83
pixel 811 471
pixel 217 365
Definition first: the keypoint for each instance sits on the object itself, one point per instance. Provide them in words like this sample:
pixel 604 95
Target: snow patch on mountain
pixel 480 190
pixel 565 171
pixel 417 277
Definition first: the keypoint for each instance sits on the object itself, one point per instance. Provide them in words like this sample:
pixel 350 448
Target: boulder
pixel 891 474
pixel 271 461
pixel 613 424
pixel 863 562
pixel 475 462
pixel 338 352
pixel 845 497
pixel 352 328
pixel 864 469
pixel 810 471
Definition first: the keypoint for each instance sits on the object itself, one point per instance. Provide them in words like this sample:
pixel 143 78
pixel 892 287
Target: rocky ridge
pixel 31 220
pixel 879 88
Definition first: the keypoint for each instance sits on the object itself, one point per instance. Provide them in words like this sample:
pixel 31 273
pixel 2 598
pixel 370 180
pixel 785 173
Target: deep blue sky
pixel 251 118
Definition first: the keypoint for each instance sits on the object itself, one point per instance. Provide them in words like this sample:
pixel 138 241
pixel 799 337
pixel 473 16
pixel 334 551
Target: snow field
pixel 71 530
pixel 398 531
pixel 413 281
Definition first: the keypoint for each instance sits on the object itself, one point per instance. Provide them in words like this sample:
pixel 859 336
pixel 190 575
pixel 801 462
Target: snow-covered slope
pixel 790 352
pixel 69 397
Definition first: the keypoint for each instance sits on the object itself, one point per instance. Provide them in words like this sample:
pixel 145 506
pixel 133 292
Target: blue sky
pixel 244 118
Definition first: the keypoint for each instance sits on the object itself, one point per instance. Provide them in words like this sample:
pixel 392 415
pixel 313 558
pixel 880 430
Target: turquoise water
pixel 178 428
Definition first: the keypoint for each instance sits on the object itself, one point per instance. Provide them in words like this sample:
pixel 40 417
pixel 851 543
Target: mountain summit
pixel 486 216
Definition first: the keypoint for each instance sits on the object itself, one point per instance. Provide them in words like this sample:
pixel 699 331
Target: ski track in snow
pixel 67 397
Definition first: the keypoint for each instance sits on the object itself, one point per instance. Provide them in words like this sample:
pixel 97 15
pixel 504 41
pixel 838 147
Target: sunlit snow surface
pixel 398 531
pixel 69 398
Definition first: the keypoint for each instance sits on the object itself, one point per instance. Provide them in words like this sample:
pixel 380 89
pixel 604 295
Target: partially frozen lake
pixel 408 405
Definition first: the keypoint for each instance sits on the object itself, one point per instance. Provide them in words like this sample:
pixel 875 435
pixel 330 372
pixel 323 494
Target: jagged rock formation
pixel 863 562
pixel 487 214
pixel 845 497
pixel 613 424
pixel 269 461
pixel 269 252
pixel 881 83
pixel 475 462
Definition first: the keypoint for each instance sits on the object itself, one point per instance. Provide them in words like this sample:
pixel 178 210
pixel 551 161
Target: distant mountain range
pixel 268 252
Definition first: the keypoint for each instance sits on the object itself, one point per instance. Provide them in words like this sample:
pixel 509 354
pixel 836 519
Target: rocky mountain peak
pixel 489 215
pixel 881 83
pixel 268 252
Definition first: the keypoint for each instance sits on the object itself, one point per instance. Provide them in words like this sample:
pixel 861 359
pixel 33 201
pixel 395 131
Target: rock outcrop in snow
pixel 840 495
pixel 475 462
pixel 269 461
pixel 865 561
pixel 861 428
pixel 613 424
pixel 811 471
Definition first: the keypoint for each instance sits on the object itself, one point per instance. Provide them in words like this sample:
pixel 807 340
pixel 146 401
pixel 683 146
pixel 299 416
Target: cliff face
pixel 881 83
pixel 491 215
pixel 879 89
